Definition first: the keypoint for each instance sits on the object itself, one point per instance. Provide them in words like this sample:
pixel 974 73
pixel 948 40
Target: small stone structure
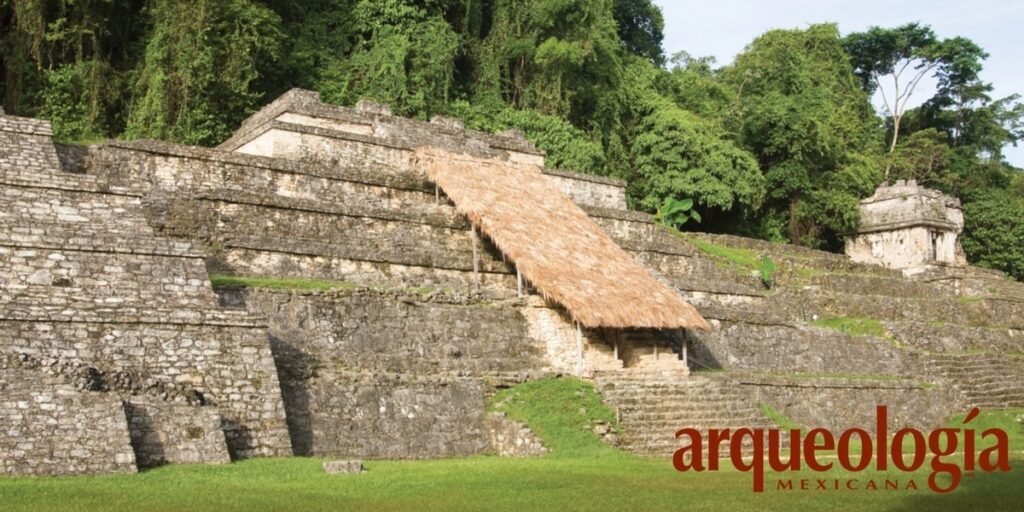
pixel 908 227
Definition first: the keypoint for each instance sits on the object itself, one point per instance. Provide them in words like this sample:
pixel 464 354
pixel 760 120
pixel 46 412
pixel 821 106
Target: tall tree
pixel 197 79
pixel 65 60
pixel 803 114
pixel 403 55
pixel 641 28
pixel 906 55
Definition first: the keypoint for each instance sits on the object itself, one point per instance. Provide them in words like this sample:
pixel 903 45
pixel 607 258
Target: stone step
pixel 660 425
pixel 685 409
pixel 655 386
pixel 669 394
pixel 651 412
pixel 1002 398
pixel 994 384
pixel 668 440
pixel 672 394
pixel 670 412
pixel 994 397
pixel 971 366
pixel 662 407
pixel 973 361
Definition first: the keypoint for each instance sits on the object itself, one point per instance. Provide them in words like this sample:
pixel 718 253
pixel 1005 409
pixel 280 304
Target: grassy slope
pixel 579 474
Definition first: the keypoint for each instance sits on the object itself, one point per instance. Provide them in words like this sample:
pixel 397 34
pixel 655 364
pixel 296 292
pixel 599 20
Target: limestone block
pixel 343 467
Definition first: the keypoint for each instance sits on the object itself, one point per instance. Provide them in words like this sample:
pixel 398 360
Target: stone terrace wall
pixel 394 332
pixel 593 191
pixel 284 220
pixel 839 404
pixel 48 427
pixel 230 366
pixel 25 147
pixel 168 433
pixel 381 374
pixel 304 220
pixel 394 416
pixel 298 126
pixel 86 283
pixel 787 348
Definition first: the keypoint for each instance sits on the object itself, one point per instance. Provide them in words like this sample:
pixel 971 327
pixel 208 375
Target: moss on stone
pixel 302 284
pixel 853 326
pixel 279 283
pixel 779 419
pixel 562 411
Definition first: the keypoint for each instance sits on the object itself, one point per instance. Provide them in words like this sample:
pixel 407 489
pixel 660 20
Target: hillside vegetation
pixel 779 144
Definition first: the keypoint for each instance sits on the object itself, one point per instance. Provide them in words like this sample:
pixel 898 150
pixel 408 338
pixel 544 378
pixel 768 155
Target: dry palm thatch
pixel 566 256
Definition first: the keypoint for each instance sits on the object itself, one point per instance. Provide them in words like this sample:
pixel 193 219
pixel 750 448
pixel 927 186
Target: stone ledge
pixel 157 249
pixel 593 178
pixel 304 102
pixel 827 382
pixel 134 316
pixel 354 174
pixel 25 125
pixel 611 213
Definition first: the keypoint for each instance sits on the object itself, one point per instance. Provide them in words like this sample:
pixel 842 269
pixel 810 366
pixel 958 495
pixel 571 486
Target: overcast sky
pixel 721 28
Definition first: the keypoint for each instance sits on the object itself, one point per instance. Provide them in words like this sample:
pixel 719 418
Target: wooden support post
pixel 519 282
pixel 655 350
pixel 579 350
pixel 686 356
pixel 437 195
pixel 476 255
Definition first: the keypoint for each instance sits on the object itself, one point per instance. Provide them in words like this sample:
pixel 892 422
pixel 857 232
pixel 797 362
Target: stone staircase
pixel 975 282
pixel 653 405
pixel 983 380
pixel 995 284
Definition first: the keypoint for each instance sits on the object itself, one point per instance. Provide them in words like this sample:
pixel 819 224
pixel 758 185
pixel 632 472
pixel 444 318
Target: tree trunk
pixel 895 132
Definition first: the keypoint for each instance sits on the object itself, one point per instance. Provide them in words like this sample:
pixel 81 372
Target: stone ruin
pixel 120 354
pixel 908 227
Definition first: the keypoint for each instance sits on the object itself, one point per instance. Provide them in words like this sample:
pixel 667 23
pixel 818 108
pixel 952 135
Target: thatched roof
pixel 563 253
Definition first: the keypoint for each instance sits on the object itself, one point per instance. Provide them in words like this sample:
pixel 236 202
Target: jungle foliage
pixel 779 144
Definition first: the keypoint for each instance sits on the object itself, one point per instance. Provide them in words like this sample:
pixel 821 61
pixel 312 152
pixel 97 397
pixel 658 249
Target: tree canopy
pixel 779 144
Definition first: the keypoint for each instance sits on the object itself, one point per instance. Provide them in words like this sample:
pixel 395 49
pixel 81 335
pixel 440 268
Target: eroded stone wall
pixel 839 404
pixel 793 349
pixel 49 427
pixel 389 374
pixel 92 298
pixel 174 433
pixel 298 126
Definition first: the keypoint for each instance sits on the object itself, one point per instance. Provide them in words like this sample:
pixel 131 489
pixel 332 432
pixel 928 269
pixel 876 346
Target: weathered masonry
pixel 114 343
pixel 908 227
pixel 117 339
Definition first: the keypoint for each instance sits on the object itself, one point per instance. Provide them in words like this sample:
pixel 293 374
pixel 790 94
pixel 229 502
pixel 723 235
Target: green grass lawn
pixel 580 473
